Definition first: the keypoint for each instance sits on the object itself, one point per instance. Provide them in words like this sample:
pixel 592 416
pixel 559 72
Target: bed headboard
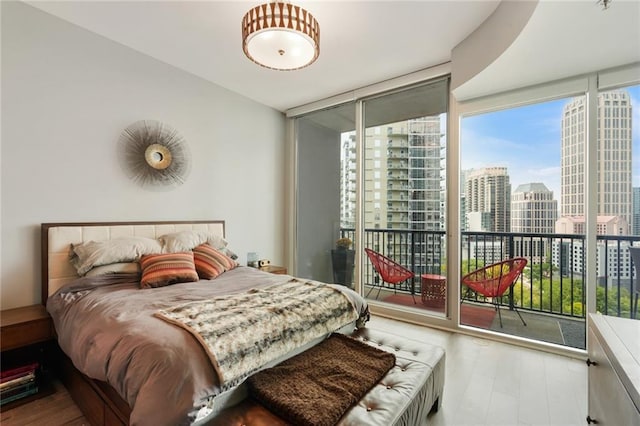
pixel 57 237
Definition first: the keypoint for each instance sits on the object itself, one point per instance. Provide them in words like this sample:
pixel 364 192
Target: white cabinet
pixel 614 371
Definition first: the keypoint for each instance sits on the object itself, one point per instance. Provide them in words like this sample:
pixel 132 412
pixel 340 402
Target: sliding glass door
pixel 402 214
pixel 404 197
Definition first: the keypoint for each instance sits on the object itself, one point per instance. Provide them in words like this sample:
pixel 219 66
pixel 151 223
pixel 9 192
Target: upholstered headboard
pixel 57 238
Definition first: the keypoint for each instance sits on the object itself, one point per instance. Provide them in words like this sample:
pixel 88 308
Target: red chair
pixel 492 281
pixel 390 272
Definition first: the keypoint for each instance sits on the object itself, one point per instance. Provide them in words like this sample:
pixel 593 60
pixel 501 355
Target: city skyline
pixel 526 140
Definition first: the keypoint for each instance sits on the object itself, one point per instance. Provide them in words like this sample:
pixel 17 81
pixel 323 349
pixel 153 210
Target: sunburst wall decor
pixel 154 155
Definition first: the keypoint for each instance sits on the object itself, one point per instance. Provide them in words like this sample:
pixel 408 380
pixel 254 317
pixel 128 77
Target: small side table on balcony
pixel 433 289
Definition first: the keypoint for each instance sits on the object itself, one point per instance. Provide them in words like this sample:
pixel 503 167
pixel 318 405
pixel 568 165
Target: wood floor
pixel 54 410
pixel 486 383
pixel 492 383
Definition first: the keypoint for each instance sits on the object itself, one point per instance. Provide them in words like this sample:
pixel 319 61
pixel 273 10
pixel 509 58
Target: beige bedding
pixel 111 334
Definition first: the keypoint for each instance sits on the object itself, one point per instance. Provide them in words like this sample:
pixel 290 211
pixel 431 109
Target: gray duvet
pixel 109 331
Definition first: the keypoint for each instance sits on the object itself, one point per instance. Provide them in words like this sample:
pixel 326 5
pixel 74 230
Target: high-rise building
pixel 488 200
pixel 636 211
pixel 613 260
pixel 605 225
pixel 348 181
pixel 614 156
pixel 464 226
pixel 403 182
pixel 533 211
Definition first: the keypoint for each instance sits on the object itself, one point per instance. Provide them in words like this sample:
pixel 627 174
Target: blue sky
pixel 526 140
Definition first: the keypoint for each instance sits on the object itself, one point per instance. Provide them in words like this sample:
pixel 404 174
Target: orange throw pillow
pixel 159 270
pixel 211 262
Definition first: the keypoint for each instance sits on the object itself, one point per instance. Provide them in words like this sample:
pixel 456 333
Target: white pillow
pixel 115 268
pixel 183 241
pixel 90 254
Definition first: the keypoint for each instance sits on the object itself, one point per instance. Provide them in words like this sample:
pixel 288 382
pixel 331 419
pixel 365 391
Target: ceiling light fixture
pixel 280 36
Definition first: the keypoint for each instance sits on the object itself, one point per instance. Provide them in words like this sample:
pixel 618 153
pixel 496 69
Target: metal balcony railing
pixel 552 282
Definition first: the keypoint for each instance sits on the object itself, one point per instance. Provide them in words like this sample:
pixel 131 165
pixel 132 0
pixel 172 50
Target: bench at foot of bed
pixel 404 396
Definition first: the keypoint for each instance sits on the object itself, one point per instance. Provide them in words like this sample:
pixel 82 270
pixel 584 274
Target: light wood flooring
pixel 492 383
pixel 486 383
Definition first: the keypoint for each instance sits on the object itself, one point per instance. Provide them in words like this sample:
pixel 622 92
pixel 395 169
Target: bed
pixel 128 357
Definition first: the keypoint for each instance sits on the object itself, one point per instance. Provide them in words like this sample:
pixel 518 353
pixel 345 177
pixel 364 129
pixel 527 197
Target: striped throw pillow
pixel 159 270
pixel 211 262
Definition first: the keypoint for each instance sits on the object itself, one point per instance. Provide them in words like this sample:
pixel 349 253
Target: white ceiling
pixel 563 39
pixel 362 42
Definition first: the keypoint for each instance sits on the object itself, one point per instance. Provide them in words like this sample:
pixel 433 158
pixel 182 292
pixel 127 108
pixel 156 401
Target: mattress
pixel 110 334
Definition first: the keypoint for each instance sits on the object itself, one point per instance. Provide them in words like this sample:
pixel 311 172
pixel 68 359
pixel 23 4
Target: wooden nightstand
pixel 25 334
pixel 280 270
pixel 24 326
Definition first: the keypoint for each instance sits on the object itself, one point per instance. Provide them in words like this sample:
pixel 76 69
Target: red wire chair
pixel 390 272
pixel 492 281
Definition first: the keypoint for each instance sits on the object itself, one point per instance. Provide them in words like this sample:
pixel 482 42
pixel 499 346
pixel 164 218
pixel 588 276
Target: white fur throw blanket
pixel 243 332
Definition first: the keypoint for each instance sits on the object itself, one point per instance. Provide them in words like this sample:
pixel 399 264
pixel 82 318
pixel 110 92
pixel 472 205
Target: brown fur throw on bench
pixel 318 386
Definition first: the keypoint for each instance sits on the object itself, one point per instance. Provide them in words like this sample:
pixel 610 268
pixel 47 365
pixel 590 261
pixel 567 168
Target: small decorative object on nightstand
pixel 280 270
pixel 252 259
pixel 24 334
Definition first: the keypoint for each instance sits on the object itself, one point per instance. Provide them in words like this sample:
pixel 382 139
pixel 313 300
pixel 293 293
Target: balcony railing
pixel 552 282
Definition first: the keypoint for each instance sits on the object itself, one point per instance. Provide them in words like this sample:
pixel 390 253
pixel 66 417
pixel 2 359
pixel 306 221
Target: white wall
pixel 66 96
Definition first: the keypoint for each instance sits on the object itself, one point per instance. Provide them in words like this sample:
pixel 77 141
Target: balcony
pixel 549 294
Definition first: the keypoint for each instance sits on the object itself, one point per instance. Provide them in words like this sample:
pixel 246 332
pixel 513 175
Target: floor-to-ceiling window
pixel 522 192
pixel 618 199
pixel 547 175
pixel 530 165
pixel 404 189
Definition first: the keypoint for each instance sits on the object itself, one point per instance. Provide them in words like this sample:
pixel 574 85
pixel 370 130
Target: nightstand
pixel 280 270
pixel 25 334
pixel 24 326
